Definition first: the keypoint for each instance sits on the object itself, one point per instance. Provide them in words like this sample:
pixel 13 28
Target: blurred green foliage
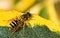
pixel 43 13
pixel 16 1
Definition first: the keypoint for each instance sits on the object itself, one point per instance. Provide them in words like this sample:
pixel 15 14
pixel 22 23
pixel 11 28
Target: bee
pixel 15 24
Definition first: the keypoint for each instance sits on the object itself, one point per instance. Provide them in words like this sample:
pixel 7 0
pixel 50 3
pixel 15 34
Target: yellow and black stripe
pixel 18 23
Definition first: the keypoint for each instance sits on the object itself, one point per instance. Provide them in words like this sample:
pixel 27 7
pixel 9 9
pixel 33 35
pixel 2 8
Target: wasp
pixel 15 24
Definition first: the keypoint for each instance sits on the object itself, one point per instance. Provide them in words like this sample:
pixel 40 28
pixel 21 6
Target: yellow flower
pixel 37 20
pixel 6 17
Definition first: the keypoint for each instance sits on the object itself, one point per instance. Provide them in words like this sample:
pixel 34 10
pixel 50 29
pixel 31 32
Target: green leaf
pixel 36 32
